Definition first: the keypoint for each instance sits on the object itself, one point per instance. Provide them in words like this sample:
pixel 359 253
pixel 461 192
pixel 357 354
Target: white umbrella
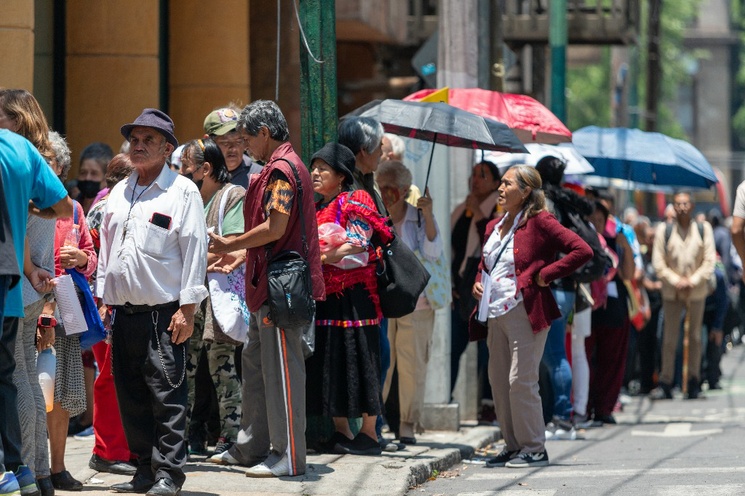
pixel 576 163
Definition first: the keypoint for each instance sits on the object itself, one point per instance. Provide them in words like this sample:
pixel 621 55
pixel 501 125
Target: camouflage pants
pixel 221 360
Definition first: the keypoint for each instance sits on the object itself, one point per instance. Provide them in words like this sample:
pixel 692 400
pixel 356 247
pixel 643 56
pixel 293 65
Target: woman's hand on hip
pixel 539 280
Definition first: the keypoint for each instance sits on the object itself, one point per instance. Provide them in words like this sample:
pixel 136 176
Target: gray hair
pixel 528 177
pixel 100 152
pixel 398 147
pixel 264 113
pixel 61 153
pixel 360 133
pixel 396 171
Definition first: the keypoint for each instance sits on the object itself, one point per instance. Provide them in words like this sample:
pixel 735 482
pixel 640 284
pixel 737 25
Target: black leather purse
pixel 290 291
pixel 401 279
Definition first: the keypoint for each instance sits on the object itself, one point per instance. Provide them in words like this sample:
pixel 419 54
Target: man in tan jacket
pixel 683 257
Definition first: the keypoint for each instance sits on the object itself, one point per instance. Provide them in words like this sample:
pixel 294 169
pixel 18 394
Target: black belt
pixel 130 309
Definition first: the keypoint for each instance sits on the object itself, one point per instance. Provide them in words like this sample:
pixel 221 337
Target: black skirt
pixel 343 375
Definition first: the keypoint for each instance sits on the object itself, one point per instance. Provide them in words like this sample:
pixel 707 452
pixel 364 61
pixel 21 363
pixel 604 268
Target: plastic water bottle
pixel 46 365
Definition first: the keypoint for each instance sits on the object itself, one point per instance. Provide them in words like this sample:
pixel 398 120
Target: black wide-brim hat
pixel 339 157
pixel 155 119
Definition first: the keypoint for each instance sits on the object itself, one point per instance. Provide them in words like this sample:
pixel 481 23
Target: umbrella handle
pixel 429 167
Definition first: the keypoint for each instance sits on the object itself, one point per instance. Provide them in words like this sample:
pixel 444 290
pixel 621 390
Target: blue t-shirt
pixel 26 176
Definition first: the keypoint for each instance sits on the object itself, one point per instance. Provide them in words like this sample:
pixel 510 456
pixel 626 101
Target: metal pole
pixel 653 65
pixel 497 71
pixel 557 38
pixel 318 104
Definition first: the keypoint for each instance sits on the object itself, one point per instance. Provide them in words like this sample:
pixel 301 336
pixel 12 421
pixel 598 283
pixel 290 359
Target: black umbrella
pixel 441 123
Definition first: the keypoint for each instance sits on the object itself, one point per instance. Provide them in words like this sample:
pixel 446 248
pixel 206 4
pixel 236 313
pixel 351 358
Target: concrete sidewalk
pixel 337 475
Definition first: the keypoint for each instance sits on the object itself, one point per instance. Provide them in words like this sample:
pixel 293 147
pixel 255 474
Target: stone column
pixel 17 40
pixel 112 69
pixel 208 61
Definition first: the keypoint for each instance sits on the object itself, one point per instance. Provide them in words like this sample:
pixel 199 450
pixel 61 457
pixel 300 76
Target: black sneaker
pixel 503 457
pixel 529 460
pixel 222 445
pixel 360 445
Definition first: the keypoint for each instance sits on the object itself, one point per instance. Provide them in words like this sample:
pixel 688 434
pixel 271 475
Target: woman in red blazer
pixel 519 257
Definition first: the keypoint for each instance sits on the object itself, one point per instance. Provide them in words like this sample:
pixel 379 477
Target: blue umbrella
pixel 643 157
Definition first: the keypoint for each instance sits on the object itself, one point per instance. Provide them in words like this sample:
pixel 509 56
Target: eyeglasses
pixel 238 143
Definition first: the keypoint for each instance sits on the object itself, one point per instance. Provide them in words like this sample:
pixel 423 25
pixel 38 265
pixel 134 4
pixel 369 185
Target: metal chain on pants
pixel 154 317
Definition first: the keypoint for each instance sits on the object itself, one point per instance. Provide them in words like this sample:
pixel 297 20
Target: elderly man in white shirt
pixel 411 335
pixel 151 272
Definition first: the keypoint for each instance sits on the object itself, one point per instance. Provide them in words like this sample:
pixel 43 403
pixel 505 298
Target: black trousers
pixel 153 411
pixel 10 427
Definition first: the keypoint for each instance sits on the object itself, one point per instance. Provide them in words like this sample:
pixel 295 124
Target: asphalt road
pixel 666 448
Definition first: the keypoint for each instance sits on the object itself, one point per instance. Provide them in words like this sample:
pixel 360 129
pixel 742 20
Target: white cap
pixel 176 157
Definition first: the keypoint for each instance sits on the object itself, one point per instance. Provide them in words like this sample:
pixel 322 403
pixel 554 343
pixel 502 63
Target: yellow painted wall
pixel 208 61
pixel 112 69
pixel 17 42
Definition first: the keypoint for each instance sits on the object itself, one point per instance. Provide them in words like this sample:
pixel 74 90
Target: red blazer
pixel 538 241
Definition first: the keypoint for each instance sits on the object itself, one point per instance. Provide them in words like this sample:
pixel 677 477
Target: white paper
pixel 484 303
pixel 612 290
pixel 68 305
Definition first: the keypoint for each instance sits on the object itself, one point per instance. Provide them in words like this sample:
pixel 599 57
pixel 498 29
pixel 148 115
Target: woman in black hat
pixel 343 375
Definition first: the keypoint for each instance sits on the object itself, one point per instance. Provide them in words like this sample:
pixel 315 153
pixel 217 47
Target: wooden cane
pixel 686 334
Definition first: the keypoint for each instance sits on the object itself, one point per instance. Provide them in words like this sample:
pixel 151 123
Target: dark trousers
pixel 606 347
pixel 153 412
pixel 458 344
pixel 10 426
pixel 649 354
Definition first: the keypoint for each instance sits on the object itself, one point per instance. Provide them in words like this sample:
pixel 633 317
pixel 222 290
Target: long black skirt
pixel 343 375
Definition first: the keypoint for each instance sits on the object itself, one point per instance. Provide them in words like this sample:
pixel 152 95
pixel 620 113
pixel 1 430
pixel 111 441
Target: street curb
pixel 444 458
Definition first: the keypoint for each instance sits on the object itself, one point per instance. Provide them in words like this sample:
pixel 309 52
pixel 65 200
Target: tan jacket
pixel 686 255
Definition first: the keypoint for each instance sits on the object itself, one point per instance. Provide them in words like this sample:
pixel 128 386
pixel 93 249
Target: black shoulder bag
pixel 290 292
pixel 401 278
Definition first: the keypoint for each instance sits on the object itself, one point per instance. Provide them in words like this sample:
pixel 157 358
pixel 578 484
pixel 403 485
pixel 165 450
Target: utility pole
pixel 557 38
pixel 653 65
pixel 318 96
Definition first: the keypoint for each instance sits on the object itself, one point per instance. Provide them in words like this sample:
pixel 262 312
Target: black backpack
pixel 595 268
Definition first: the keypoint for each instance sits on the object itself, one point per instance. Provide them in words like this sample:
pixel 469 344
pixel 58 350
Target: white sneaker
pixel 223 458
pixel 279 469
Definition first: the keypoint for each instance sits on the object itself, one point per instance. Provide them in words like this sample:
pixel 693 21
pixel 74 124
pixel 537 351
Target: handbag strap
pixel 299 185
pixel 501 250
pixel 221 210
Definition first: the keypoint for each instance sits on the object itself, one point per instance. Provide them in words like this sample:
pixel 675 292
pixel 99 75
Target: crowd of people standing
pixel 152 225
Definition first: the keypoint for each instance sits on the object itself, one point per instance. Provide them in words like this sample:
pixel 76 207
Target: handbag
pixel 96 331
pixel 401 279
pixel 464 286
pixel 227 292
pixel 290 292
pixel 438 292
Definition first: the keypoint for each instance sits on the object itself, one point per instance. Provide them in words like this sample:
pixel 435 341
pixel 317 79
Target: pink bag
pixel 330 236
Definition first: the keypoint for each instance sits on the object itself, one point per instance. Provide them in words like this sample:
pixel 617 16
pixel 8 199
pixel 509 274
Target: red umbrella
pixel 528 118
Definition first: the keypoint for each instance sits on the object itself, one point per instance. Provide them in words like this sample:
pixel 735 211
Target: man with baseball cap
pixel 151 272
pixel 220 125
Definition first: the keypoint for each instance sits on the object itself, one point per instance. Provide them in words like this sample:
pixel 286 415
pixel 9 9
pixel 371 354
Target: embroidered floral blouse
pixel 355 211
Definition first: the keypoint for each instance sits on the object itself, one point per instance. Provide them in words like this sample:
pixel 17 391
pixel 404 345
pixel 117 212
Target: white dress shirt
pixel 504 294
pixel 144 264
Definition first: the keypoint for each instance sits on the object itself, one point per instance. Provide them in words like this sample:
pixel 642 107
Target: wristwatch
pixel 46 321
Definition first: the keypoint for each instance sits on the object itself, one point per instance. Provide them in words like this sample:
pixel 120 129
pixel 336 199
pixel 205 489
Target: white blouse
pixel 504 295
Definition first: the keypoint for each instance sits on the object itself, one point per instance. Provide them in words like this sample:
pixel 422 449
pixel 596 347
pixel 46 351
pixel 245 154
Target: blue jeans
pixel 555 357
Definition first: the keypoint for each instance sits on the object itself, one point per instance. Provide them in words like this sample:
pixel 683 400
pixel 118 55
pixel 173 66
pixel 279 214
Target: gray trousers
pixel 32 411
pixel 515 353
pixel 273 396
